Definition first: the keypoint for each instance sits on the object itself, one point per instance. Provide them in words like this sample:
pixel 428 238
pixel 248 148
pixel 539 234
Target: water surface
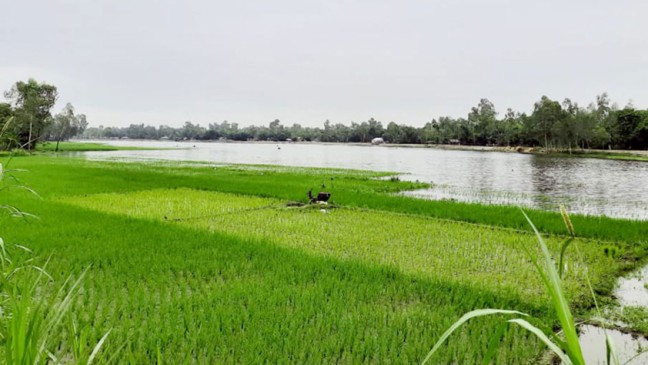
pixel 583 185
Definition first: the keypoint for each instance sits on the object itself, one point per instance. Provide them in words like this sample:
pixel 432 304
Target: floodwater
pixel 631 290
pixel 586 186
pixel 629 348
pixel 632 349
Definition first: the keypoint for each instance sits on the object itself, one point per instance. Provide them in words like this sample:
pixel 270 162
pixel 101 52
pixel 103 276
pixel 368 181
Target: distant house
pixel 454 141
pixel 377 141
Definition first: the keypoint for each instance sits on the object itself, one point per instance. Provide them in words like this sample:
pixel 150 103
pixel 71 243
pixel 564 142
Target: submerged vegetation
pixel 202 263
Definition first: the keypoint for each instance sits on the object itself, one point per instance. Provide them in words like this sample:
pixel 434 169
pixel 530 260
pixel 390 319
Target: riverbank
pixel 224 264
pixel 628 155
pixel 70 146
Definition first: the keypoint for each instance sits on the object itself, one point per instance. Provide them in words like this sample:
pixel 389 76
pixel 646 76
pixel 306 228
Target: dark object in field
pixel 322 197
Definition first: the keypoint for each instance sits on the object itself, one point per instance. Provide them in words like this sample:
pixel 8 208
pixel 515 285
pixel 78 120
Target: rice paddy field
pixel 196 263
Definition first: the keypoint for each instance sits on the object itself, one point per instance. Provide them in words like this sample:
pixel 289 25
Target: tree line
pixel 551 124
pixel 26 118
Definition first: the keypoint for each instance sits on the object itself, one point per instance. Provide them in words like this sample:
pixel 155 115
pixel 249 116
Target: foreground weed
pixel 30 317
pixel 568 350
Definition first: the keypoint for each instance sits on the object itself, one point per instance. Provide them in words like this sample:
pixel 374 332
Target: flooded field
pixel 631 349
pixel 586 186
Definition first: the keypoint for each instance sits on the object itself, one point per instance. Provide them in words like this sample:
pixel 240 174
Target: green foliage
pixel 448 253
pixel 217 297
pixel 31 312
pixel 631 129
pixel 82 146
pixel 232 273
pixel 55 177
pixel 553 125
pixel 32 102
pixel 568 350
pixel 635 317
pixel 66 125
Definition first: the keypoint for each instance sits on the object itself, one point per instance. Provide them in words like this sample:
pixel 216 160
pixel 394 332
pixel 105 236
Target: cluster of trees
pixel 551 124
pixel 26 118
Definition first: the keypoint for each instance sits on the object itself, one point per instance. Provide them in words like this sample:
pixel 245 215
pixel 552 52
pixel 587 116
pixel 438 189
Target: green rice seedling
pixel 81 354
pixel 568 350
pixel 68 176
pixel 233 275
pixel 67 146
pixel 416 245
pixel 29 315
pixel 32 323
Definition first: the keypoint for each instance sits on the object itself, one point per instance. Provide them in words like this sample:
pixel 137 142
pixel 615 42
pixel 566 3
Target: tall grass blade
pixel 610 352
pixel 611 355
pixel 159 356
pixel 97 347
pixel 560 302
pixel 465 318
pixel 536 331
pixel 494 342
pixel 62 308
pixel 572 233
pixel 563 248
pixel 567 220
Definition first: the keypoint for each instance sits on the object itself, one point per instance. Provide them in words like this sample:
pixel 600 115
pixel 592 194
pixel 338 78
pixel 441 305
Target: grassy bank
pixel 349 188
pixel 67 146
pixel 605 155
pixel 636 155
pixel 208 264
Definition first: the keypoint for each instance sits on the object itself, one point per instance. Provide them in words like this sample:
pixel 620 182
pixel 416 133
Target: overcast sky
pixel 165 62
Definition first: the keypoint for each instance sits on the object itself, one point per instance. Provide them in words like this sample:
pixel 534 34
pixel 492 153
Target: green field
pixel 67 146
pixel 604 155
pixel 211 264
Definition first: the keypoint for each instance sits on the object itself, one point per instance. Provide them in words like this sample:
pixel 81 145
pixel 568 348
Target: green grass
pixel 634 318
pixel 603 155
pixel 67 146
pixel 215 297
pixel 418 246
pixel 233 276
pixel 65 176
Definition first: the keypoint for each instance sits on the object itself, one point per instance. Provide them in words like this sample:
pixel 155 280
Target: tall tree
pixel 393 133
pixel 484 119
pixel 546 114
pixel 511 127
pixel 32 103
pixel 66 124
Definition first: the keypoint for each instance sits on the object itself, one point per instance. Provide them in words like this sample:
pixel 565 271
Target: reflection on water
pixel 587 186
pixel 631 290
pixel 630 349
